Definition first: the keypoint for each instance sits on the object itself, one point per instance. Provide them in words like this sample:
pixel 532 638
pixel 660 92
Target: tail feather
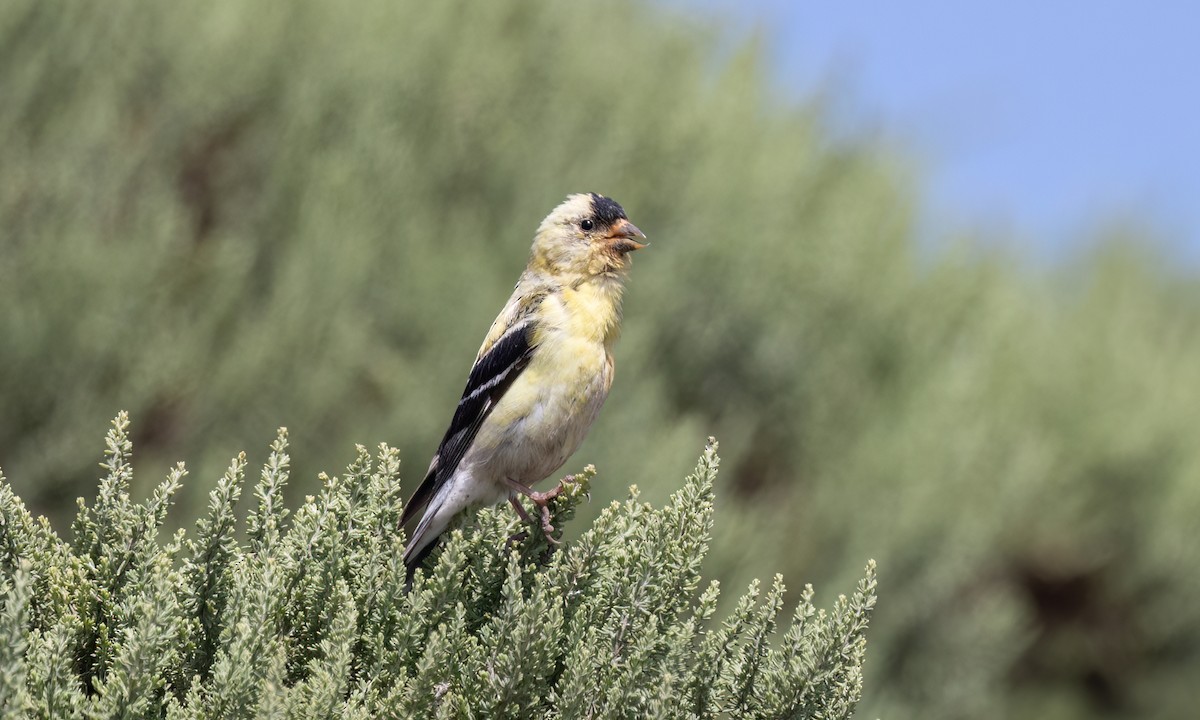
pixel 460 492
pixel 411 564
pixel 424 536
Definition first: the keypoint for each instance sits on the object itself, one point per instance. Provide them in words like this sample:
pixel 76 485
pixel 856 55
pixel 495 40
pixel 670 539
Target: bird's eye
pixel 586 224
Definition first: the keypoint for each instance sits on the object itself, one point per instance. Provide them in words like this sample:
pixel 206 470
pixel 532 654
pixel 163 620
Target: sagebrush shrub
pixel 309 615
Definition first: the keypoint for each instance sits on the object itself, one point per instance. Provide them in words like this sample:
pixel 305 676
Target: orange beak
pixel 623 236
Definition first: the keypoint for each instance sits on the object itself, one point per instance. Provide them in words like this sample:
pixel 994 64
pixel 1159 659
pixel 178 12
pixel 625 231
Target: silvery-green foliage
pixel 314 617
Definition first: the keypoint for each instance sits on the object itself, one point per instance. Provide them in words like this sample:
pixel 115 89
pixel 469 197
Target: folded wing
pixel 494 372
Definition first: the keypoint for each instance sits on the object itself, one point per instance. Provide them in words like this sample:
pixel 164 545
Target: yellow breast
pixel 587 311
pixel 544 416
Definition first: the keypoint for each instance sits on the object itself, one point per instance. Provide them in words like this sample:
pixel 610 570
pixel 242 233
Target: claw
pixel 547 528
pixel 542 500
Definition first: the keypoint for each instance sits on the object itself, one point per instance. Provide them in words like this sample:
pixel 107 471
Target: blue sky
pixel 1040 120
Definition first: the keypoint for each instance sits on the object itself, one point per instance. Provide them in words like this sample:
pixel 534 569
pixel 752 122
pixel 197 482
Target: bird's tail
pixel 424 537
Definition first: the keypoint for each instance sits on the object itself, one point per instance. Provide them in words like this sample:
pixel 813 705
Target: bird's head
pixel 588 234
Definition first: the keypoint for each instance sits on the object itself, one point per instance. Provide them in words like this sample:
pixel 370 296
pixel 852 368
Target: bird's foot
pixel 542 500
pixel 547 528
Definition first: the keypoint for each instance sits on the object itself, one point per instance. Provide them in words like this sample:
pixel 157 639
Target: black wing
pixel 491 377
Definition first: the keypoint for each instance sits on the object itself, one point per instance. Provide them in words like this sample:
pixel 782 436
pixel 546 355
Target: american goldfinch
pixel 541 375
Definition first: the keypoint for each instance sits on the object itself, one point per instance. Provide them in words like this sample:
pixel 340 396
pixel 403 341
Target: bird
pixel 541 375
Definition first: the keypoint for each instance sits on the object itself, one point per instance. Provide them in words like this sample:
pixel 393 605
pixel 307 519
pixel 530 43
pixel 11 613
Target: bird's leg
pixel 519 508
pixel 522 535
pixel 542 500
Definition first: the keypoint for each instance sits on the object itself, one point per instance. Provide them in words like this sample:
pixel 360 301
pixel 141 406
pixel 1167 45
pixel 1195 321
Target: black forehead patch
pixel 606 210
